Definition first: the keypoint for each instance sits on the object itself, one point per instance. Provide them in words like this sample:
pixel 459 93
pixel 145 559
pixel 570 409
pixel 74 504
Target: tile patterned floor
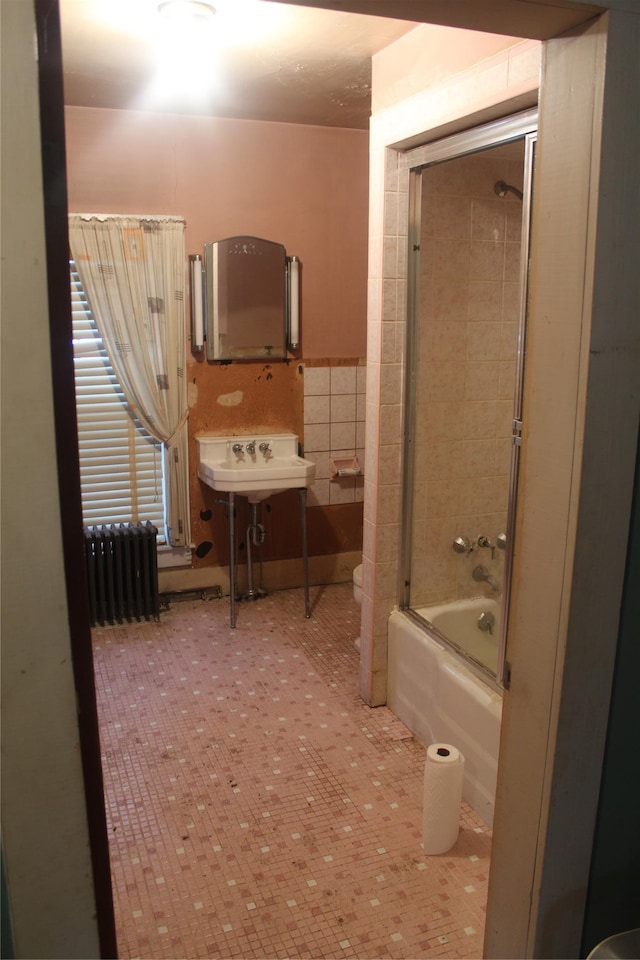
pixel 256 807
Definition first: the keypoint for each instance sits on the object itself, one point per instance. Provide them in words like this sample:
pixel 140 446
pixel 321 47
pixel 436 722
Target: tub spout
pixel 481 574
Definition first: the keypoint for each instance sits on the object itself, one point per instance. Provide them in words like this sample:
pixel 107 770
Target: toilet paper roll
pixel 443 777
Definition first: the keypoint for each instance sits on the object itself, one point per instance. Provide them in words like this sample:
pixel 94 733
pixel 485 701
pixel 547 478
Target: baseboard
pixel 278 574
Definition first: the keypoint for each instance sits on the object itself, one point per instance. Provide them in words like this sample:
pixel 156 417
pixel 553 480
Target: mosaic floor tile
pixel 256 807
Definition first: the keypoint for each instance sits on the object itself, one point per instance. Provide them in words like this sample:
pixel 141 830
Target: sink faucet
pixel 481 574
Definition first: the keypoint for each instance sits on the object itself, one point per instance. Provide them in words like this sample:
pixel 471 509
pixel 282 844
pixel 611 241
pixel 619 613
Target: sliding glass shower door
pixel 468 256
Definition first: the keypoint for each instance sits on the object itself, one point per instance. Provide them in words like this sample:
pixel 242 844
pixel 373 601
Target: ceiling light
pixel 184 42
pixel 196 11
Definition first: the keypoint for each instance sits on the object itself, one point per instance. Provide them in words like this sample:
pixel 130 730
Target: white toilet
pixel 357 593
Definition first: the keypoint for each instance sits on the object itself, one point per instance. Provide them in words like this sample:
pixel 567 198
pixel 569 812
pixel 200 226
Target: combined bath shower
pixel 502 189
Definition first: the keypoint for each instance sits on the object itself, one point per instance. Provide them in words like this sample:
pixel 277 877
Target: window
pixel 121 465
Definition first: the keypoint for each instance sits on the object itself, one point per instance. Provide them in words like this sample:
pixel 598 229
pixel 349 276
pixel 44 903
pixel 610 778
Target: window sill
pixel 173 557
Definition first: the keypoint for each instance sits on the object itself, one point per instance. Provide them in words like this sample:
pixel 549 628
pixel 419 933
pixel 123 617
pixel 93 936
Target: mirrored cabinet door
pixel 246 299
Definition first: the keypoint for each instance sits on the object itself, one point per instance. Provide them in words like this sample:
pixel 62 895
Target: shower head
pixel 502 189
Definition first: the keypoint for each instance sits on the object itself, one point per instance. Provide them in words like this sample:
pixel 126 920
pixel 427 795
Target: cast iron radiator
pixel 122 572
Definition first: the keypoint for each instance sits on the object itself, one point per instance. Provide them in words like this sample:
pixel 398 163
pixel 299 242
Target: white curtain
pixel 133 272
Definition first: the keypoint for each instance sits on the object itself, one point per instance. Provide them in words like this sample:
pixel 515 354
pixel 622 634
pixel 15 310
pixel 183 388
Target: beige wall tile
pixel 444 460
pixel 452 217
pixel 446 340
pixel 443 421
pixel 321 460
pixel 390 383
pixel 342 491
pixel 488 220
pixel 316 381
pixel 485 301
pixel 478 494
pixel 445 381
pixel 483 341
pixel 481 381
pixel 512 262
pixel 390 423
pixel 507 379
pixel 343 436
pixel 486 260
pixel 441 499
pixel 343 380
pixel 513 213
pixel 390 216
pixel 318 494
pixel 451 259
pixel 508 341
pixel 316 409
pixel 390 300
pixel 343 407
pixel 317 437
pixel 479 458
pixel 504 418
pixel 480 419
pixel 510 302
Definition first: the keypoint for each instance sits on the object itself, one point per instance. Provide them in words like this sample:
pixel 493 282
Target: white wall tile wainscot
pixel 334 416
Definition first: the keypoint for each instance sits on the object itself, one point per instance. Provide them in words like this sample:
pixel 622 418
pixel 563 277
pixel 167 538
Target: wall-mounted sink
pixel 253 466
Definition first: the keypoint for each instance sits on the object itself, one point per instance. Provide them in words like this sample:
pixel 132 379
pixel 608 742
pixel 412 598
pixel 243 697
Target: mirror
pixel 246 281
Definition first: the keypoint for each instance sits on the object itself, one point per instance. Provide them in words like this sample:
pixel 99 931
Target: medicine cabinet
pixel 250 298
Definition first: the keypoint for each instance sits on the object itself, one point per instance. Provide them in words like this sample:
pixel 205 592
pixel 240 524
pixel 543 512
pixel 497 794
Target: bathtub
pixel 458 621
pixel 441 699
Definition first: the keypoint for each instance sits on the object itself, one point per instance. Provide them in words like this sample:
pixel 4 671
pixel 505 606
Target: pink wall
pixel 303 186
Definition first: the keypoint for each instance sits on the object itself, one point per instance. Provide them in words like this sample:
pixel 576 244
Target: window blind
pixel 121 465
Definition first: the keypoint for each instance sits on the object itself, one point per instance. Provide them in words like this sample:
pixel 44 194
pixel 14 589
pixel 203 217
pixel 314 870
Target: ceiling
pixel 262 61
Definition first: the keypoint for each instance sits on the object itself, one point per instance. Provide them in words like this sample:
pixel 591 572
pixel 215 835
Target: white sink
pixel 255 466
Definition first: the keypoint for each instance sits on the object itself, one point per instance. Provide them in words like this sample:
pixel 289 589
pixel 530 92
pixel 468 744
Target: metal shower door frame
pixel 519 126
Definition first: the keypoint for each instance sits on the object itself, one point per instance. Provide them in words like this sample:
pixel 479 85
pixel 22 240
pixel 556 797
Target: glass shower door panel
pixel 464 346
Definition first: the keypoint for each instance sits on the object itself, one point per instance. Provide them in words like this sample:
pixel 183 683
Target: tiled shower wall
pixel 334 417
pixel 468 335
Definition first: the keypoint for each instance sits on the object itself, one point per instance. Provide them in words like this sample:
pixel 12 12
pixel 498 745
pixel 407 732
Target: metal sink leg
pixel 305 559
pixel 232 560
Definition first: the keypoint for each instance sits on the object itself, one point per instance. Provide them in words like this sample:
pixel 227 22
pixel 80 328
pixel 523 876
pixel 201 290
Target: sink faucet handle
pixel 265 447
pixel 237 449
pixel 251 448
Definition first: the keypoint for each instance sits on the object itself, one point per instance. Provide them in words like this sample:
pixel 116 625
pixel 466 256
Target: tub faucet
pixel 486 542
pixel 486 622
pixel 481 574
